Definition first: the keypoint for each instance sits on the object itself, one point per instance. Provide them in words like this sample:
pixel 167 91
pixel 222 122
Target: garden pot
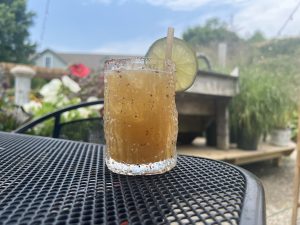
pixel 247 141
pixel 233 135
pixel 186 138
pixel 211 135
pixel 281 137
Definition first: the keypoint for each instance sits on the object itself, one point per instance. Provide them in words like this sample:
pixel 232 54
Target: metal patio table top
pixel 54 181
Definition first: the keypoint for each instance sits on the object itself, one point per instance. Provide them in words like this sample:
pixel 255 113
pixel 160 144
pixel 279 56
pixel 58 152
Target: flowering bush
pixel 11 116
pixel 56 94
pixel 294 126
pixel 79 70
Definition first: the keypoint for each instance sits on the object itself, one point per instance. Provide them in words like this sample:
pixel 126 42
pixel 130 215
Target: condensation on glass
pixel 140 116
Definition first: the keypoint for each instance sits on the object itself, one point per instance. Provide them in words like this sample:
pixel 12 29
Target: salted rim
pixel 119 62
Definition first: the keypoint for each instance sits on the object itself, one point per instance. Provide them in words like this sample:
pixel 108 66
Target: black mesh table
pixel 53 181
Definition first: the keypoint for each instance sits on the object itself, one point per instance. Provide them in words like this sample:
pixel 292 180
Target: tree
pixel 213 31
pixel 15 21
pixel 258 36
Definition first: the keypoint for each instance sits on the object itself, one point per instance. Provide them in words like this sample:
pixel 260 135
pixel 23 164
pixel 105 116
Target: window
pixel 48 61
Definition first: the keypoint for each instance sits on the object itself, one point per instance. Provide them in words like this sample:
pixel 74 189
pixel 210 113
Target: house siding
pixel 56 62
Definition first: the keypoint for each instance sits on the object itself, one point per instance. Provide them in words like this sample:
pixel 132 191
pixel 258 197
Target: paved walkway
pixel 278 184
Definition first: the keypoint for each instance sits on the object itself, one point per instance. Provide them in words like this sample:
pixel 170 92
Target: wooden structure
pixel 205 102
pixel 237 156
pixel 296 203
pixel 43 72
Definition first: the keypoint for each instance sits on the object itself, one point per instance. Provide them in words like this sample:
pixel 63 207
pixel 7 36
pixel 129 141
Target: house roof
pixel 93 61
pixel 36 56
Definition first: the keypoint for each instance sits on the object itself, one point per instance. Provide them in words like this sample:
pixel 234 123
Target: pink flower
pixel 79 70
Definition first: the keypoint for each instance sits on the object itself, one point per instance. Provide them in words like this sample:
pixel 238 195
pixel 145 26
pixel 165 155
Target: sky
pixel 131 26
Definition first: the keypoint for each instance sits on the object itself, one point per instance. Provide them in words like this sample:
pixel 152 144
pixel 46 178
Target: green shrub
pixel 58 94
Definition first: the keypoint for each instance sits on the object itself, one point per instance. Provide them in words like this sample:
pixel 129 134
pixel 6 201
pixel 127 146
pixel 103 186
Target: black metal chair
pixel 86 130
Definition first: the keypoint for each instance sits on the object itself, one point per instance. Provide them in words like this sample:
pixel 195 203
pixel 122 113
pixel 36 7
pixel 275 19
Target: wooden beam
pixel 43 72
pixel 208 83
pixel 234 155
pixel 222 121
pixel 195 104
pixel 296 179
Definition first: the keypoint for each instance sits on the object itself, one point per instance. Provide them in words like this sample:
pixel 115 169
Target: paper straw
pixel 170 37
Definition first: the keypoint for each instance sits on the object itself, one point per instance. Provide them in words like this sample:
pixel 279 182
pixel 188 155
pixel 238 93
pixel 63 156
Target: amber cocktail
pixel 140 116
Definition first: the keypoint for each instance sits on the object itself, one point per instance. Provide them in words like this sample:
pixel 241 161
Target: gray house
pixel 52 59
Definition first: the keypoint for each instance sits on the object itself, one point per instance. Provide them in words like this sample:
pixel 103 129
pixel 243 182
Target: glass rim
pixel 110 60
pixel 118 62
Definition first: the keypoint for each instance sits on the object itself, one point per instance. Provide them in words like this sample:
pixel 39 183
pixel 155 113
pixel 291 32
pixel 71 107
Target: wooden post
pixel 222 54
pixel 296 179
pixel 222 119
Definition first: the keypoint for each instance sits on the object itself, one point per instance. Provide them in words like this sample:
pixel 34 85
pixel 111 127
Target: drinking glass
pixel 140 116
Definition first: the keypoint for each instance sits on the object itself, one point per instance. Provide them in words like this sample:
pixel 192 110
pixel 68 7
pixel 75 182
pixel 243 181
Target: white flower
pixel 70 84
pixel 94 107
pixel 32 106
pixel 52 88
pixel 66 115
pixel 92 98
pixel 50 98
pixel 84 113
pixel 63 101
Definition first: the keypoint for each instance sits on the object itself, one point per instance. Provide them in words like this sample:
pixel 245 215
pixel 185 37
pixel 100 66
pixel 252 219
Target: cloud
pixel 180 5
pixel 267 16
pixel 249 15
pixel 175 5
pixel 106 2
pixel 137 46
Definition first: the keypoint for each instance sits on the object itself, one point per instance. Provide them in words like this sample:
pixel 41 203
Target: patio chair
pixel 86 130
pixel 296 203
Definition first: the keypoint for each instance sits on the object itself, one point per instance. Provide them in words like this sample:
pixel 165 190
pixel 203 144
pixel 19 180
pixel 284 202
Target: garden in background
pixel 269 76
